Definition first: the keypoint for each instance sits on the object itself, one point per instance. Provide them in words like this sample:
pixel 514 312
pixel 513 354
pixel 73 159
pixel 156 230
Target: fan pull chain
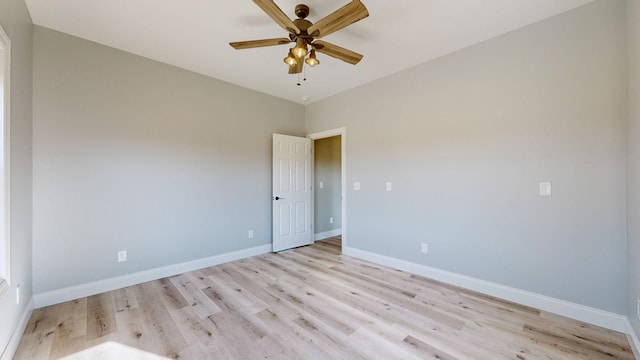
pixel 303 79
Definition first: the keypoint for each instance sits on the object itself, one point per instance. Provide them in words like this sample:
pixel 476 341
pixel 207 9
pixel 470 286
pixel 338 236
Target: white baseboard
pixel 11 348
pixel 633 340
pixel 97 287
pixel 561 307
pixel 327 234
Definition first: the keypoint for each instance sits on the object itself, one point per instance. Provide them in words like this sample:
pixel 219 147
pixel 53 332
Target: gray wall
pixel 633 159
pixel 172 166
pixel 131 154
pixel 327 166
pixel 16 22
pixel 465 139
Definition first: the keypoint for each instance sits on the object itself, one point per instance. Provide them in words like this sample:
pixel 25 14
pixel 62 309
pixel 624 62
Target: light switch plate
pixel 356 186
pixel 545 189
pixel 388 186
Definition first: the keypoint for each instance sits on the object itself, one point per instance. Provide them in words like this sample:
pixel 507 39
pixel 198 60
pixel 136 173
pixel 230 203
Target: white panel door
pixel 291 192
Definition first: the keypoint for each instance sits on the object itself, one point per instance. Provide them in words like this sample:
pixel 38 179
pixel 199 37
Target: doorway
pixel 329 176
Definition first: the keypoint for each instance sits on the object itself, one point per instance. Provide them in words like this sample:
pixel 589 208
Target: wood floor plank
pixel 442 342
pixel 202 305
pixel 134 328
pixel 337 346
pixel 300 344
pixel 234 282
pixel 583 330
pixel 162 328
pixel 170 294
pixel 53 329
pixel 254 271
pixel 310 303
pixel 304 302
pixel 372 345
pixel 252 330
pixel 124 299
pixel 43 318
pixel 198 331
pixel 36 345
pixel 425 350
pixel 73 327
pixel 101 320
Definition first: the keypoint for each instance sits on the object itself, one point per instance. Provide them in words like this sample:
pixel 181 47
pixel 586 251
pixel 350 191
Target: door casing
pixel 342 132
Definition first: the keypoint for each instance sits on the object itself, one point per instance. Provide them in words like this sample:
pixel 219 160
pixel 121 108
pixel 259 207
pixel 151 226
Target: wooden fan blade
pixel 269 7
pixel 297 68
pixel 337 52
pixel 259 43
pixel 339 19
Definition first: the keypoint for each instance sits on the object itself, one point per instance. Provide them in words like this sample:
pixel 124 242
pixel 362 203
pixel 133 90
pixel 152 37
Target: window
pixel 5 250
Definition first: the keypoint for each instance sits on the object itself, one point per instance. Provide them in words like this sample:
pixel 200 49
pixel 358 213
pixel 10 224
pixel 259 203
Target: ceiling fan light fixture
pixel 305 34
pixel 301 48
pixel 290 59
pixel 312 60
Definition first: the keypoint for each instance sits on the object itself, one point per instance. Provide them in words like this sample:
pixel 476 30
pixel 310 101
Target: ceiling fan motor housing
pixel 302 11
pixel 303 25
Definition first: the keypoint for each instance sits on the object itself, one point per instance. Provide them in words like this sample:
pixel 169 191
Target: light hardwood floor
pixel 308 303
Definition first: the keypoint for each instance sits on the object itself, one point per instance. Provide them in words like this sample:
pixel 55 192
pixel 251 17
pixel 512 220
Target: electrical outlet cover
pixel 122 256
pixel 424 248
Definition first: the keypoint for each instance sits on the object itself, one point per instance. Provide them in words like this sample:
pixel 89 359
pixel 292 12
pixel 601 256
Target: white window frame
pixel 5 208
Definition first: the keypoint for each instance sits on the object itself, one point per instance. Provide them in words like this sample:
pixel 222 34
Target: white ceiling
pixel 194 35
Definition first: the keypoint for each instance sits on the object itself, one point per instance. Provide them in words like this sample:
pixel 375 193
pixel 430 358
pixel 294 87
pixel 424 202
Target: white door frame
pixel 342 132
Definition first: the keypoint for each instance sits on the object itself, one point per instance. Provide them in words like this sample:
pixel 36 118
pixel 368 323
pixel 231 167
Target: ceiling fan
pixel 304 34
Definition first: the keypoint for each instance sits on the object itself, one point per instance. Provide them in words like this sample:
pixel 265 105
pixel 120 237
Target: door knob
pixel 278 198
